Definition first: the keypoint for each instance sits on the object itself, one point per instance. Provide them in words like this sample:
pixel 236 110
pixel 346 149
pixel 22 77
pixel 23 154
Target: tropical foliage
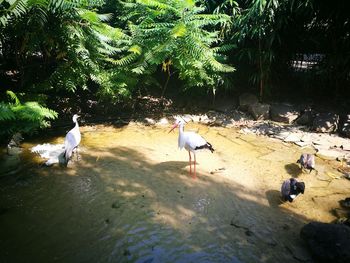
pixel 60 44
pixel 272 35
pixel 26 118
pixel 180 37
pixel 112 49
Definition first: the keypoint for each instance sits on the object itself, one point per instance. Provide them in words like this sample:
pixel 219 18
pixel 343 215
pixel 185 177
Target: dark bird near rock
pixel 72 139
pixel 291 188
pixel 307 161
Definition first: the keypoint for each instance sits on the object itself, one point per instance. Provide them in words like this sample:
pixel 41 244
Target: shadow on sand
pixel 117 205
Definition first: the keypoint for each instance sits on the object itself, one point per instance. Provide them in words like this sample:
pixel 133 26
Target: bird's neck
pixel 181 129
pixel 76 124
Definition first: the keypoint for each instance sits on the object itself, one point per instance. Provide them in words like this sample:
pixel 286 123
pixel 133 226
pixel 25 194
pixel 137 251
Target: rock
pixel 327 242
pixel 283 113
pixel 149 121
pixel 14 145
pixel 293 137
pixel 330 154
pixel 281 135
pixel 163 121
pixel 117 204
pixel 302 144
pixel 224 105
pixel 345 129
pixel 247 99
pixel 149 104
pixel 341 213
pixel 306 117
pixel 259 111
pixel 307 138
pixel 326 122
pixel 345 203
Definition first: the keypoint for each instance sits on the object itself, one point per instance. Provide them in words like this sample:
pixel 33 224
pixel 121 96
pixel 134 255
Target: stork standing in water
pixel 192 142
pixel 72 139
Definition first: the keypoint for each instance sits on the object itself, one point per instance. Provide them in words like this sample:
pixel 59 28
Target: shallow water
pixel 130 199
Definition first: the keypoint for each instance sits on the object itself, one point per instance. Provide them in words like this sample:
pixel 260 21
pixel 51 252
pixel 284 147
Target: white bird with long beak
pixel 192 142
pixel 72 139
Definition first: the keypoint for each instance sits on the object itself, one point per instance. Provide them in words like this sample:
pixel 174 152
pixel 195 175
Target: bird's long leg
pixel 189 154
pixel 195 162
pixel 76 151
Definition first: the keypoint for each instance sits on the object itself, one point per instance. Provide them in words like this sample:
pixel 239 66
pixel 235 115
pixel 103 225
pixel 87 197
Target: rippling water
pixel 130 199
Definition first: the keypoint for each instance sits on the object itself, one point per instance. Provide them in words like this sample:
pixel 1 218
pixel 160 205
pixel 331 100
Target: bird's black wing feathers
pixel 205 146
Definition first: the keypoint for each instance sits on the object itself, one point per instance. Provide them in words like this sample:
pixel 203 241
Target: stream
pixel 129 198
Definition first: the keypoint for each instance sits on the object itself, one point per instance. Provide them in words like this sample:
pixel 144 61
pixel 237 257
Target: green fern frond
pixel 13 97
pixel 6 113
pixel 179 30
pixel 17 9
pixel 123 61
pixel 156 4
pixel 136 49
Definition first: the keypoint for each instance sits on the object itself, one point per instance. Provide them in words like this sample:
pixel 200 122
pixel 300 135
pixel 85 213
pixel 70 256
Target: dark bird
pixel 192 142
pixel 307 161
pixel 72 139
pixel 291 188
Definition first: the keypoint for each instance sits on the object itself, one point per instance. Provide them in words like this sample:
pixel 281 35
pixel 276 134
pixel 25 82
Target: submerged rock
pixel 327 242
pixel 14 145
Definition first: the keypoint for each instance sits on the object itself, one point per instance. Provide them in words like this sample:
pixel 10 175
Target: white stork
pixel 192 143
pixel 72 139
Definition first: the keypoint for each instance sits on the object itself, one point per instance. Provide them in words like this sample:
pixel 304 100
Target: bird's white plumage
pixel 52 152
pixel 72 139
pixel 190 140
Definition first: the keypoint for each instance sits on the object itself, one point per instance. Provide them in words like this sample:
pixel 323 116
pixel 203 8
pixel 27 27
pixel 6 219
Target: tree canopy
pixel 61 48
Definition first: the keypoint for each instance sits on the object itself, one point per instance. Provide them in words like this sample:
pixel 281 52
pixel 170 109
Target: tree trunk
pixel 166 83
pixel 261 73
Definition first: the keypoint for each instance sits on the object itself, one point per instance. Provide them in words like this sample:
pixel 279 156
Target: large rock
pixel 247 99
pixel 326 122
pixel 259 111
pixel 345 129
pixel 327 242
pixel 283 113
pixel 14 145
pixel 306 117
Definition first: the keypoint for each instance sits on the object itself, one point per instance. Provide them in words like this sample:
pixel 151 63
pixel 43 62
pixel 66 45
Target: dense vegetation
pixel 111 50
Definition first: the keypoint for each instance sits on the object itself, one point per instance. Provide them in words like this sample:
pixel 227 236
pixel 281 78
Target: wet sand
pixel 130 199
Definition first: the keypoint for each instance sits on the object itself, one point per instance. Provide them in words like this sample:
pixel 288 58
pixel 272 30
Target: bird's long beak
pixel 175 125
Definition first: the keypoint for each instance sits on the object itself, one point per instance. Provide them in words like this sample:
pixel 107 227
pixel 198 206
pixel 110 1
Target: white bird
pixel 192 142
pixel 72 139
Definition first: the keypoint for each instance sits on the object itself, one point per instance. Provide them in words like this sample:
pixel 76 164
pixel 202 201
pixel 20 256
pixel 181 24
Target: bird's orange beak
pixel 175 125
